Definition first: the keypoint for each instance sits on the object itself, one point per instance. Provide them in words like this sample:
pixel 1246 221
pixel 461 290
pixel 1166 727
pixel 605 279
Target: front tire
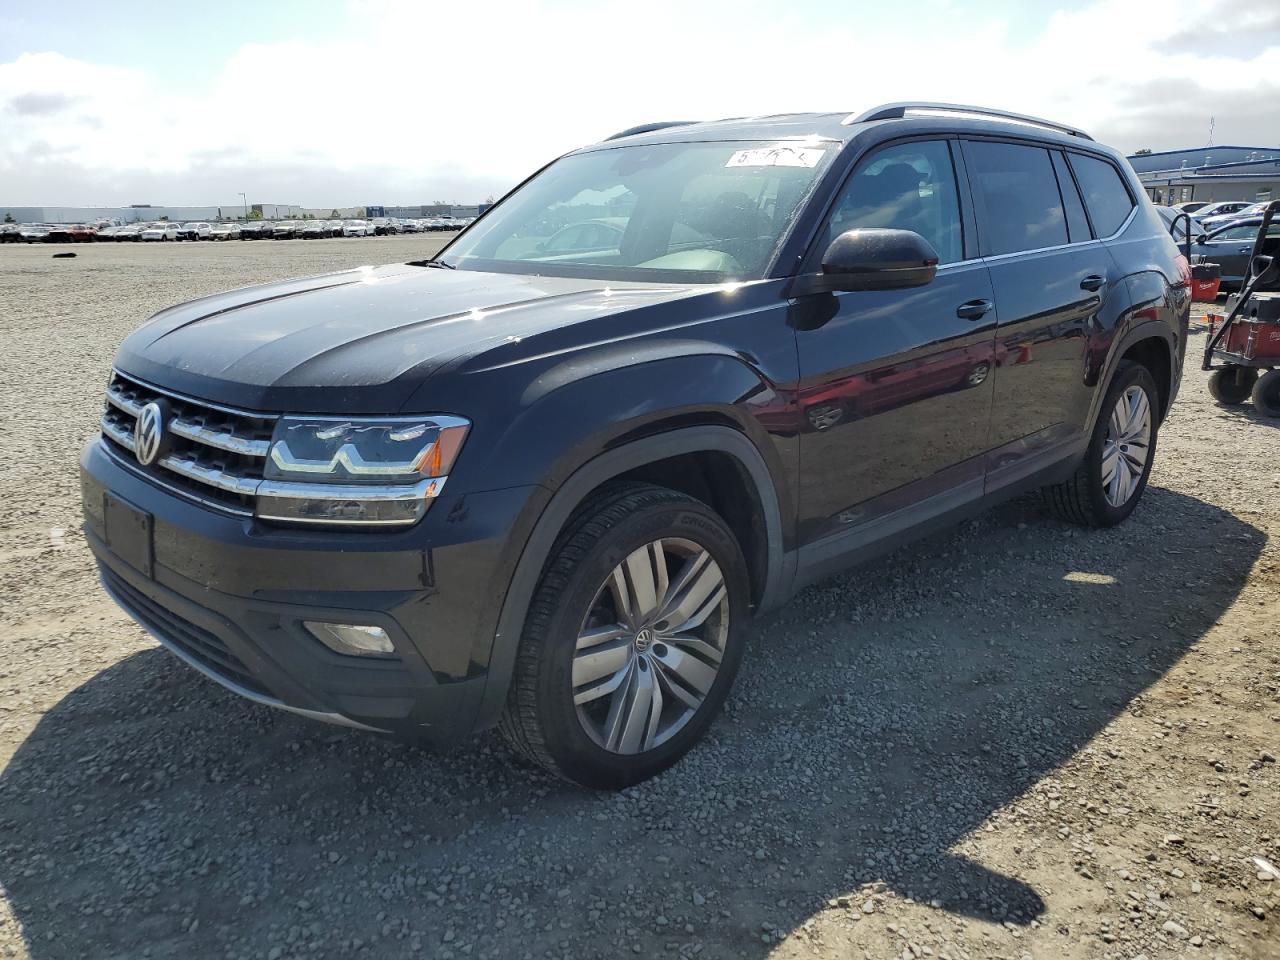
pixel 1110 481
pixel 632 640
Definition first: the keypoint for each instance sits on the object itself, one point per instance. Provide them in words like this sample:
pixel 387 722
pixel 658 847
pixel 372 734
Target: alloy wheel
pixel 978 374
pixel 1127 446
pixel 650 647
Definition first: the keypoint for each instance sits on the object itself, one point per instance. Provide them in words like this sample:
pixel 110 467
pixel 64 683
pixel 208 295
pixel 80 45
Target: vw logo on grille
pixel 148 433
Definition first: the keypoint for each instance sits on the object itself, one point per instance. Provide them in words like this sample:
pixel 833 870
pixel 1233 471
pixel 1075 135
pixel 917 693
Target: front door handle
pixel 973 309
pixel 1093 282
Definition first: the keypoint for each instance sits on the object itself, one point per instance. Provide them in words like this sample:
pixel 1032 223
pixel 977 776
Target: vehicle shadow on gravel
pixel 880 721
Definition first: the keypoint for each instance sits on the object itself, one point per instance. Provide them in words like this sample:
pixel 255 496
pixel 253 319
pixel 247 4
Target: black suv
pixel 543 479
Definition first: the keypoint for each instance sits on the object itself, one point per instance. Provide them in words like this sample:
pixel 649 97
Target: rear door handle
pixel 1093 282
pixel 973 309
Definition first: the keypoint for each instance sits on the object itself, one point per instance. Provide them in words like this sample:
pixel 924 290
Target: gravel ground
pixel 1018 739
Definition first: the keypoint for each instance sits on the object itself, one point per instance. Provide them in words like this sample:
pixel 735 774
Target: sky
pixel 354 102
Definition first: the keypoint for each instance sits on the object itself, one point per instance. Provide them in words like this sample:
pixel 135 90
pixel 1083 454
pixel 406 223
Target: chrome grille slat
pixel 192 430
pixel 130 464
pixel 221 441
pixel 218 452
pixel 118 434
pixel 213 476
pixel 123 403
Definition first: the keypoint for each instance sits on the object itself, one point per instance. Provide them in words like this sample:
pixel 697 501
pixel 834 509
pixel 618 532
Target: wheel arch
pixel 641 457
pixel 1148 342
pixel 1155 353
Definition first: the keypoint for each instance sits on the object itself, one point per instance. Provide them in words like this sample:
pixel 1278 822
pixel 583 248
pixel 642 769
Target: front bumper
pixel 229 595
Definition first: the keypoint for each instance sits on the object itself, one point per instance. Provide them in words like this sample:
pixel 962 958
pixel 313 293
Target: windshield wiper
pixel 433 263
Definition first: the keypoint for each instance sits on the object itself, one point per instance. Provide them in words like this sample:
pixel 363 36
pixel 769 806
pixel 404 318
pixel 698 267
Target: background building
pixel 431 210
pixel 274 211
pixel 1210 173
pixel 332 213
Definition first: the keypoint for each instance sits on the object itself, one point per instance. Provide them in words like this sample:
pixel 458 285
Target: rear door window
pixel 1016 189
pixel 1105 195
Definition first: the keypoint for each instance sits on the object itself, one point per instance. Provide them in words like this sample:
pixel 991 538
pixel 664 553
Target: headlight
pixel 338 471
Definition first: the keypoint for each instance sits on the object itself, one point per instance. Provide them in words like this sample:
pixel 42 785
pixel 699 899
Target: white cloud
pixel 454 101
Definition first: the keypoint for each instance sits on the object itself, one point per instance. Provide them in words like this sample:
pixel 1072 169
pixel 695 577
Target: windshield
pixel 695 212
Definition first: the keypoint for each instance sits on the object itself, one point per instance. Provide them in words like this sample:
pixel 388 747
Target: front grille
pixel 199 644
pixel 215 455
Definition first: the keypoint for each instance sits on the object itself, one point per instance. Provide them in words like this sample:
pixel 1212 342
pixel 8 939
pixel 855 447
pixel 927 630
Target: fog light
pixel 351 639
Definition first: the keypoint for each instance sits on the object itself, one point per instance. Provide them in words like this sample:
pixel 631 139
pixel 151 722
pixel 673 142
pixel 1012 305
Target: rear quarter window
pixel 1105 195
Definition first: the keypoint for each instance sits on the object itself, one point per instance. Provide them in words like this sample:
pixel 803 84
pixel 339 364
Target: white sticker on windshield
pixel 778 155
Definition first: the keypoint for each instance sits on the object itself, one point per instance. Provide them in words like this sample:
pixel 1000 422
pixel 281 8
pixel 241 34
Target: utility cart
pixel 1245 343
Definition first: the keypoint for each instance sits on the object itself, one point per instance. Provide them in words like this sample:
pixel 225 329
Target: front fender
pixel 588 405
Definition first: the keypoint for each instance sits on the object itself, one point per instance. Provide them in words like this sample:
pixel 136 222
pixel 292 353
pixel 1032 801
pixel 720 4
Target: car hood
pixel 362 341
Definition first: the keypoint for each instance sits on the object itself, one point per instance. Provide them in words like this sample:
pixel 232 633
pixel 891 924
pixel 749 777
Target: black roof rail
pixel 648 128
pixel 895 111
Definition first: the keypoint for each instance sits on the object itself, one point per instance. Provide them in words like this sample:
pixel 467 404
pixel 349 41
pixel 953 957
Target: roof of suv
pixel 844 126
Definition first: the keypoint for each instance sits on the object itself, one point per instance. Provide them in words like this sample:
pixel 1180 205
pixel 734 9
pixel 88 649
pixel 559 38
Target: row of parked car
pixel 251 230
pixel 1221 233
pixel 1211 215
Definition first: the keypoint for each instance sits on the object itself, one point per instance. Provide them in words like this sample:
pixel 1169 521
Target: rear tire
pixel 1110 480
pixel 1266 394
pixel 1232 384
pixel 624 662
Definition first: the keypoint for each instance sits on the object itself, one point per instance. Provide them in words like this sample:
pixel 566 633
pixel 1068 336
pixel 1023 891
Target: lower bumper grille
pixel 198 643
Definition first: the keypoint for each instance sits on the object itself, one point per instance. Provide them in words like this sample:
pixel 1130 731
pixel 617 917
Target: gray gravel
pixel 1017 739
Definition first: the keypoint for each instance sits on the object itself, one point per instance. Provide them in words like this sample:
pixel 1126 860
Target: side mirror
pixel 1201 237
pixel 874 258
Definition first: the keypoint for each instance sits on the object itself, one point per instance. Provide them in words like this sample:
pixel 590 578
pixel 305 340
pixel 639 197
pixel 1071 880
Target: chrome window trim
pixel 947 267
pixel 944 267
pixel 1067 246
